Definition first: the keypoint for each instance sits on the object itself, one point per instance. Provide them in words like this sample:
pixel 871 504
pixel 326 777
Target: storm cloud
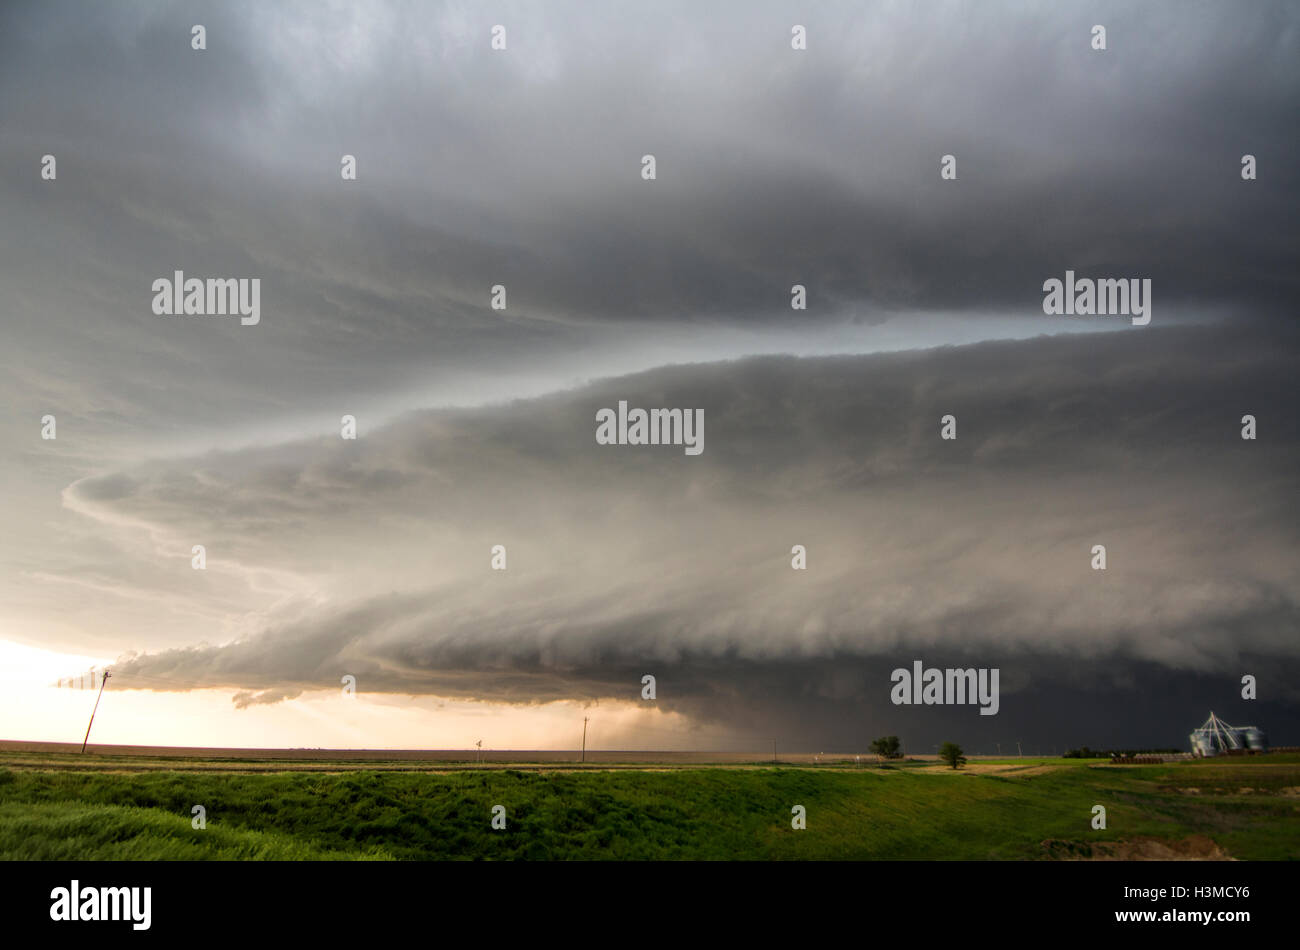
pixel 775 167
pixel 632 560
pixel 522 168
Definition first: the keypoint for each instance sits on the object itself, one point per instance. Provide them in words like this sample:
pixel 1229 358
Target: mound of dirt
pixel 1194 848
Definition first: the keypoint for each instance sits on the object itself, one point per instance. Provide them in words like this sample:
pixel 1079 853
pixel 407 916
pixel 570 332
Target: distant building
pixel 1216 737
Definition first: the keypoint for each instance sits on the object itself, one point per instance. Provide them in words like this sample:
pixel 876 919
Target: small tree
pixel 886 747
pixel 950 752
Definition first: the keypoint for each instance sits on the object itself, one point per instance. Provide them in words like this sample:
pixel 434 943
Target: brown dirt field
pixel 141 758
pixel 991 768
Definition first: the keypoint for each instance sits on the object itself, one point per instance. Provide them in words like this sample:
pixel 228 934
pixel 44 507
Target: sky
pixel 523 167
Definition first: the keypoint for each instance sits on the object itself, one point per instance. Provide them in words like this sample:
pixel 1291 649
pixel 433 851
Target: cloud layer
pixel 522 168
pixel 372 557
pixel 775 167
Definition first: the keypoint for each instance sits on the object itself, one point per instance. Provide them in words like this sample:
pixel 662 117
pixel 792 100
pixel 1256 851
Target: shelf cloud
pixel 626 560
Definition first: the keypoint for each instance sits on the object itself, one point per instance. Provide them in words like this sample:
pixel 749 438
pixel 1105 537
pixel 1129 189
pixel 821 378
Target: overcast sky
pixel 522 167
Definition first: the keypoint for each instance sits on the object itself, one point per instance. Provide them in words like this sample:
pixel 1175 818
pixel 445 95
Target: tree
pixel 886 747
pixel 950 752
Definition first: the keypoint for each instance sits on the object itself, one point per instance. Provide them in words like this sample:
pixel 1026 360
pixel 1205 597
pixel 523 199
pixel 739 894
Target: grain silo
pixel 1216 737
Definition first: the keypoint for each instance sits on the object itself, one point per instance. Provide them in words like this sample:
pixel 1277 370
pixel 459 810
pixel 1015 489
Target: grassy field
pixel 56 807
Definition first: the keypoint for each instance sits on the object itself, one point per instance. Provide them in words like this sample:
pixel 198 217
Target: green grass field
pixel 1005 809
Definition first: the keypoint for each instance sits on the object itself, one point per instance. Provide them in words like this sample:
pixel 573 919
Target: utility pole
pixel 102 684
pixel 584 738
pixel 999 745
pixel 1018 752
pixel 774 752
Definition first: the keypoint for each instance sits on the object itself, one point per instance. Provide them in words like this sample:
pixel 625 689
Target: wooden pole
pixel 102 684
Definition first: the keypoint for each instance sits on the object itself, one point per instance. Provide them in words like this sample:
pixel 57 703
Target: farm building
pixel 1216 737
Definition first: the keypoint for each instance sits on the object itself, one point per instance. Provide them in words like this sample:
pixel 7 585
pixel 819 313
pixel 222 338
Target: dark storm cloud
pixel 775 166
pixel 624 561
pixel 521 168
